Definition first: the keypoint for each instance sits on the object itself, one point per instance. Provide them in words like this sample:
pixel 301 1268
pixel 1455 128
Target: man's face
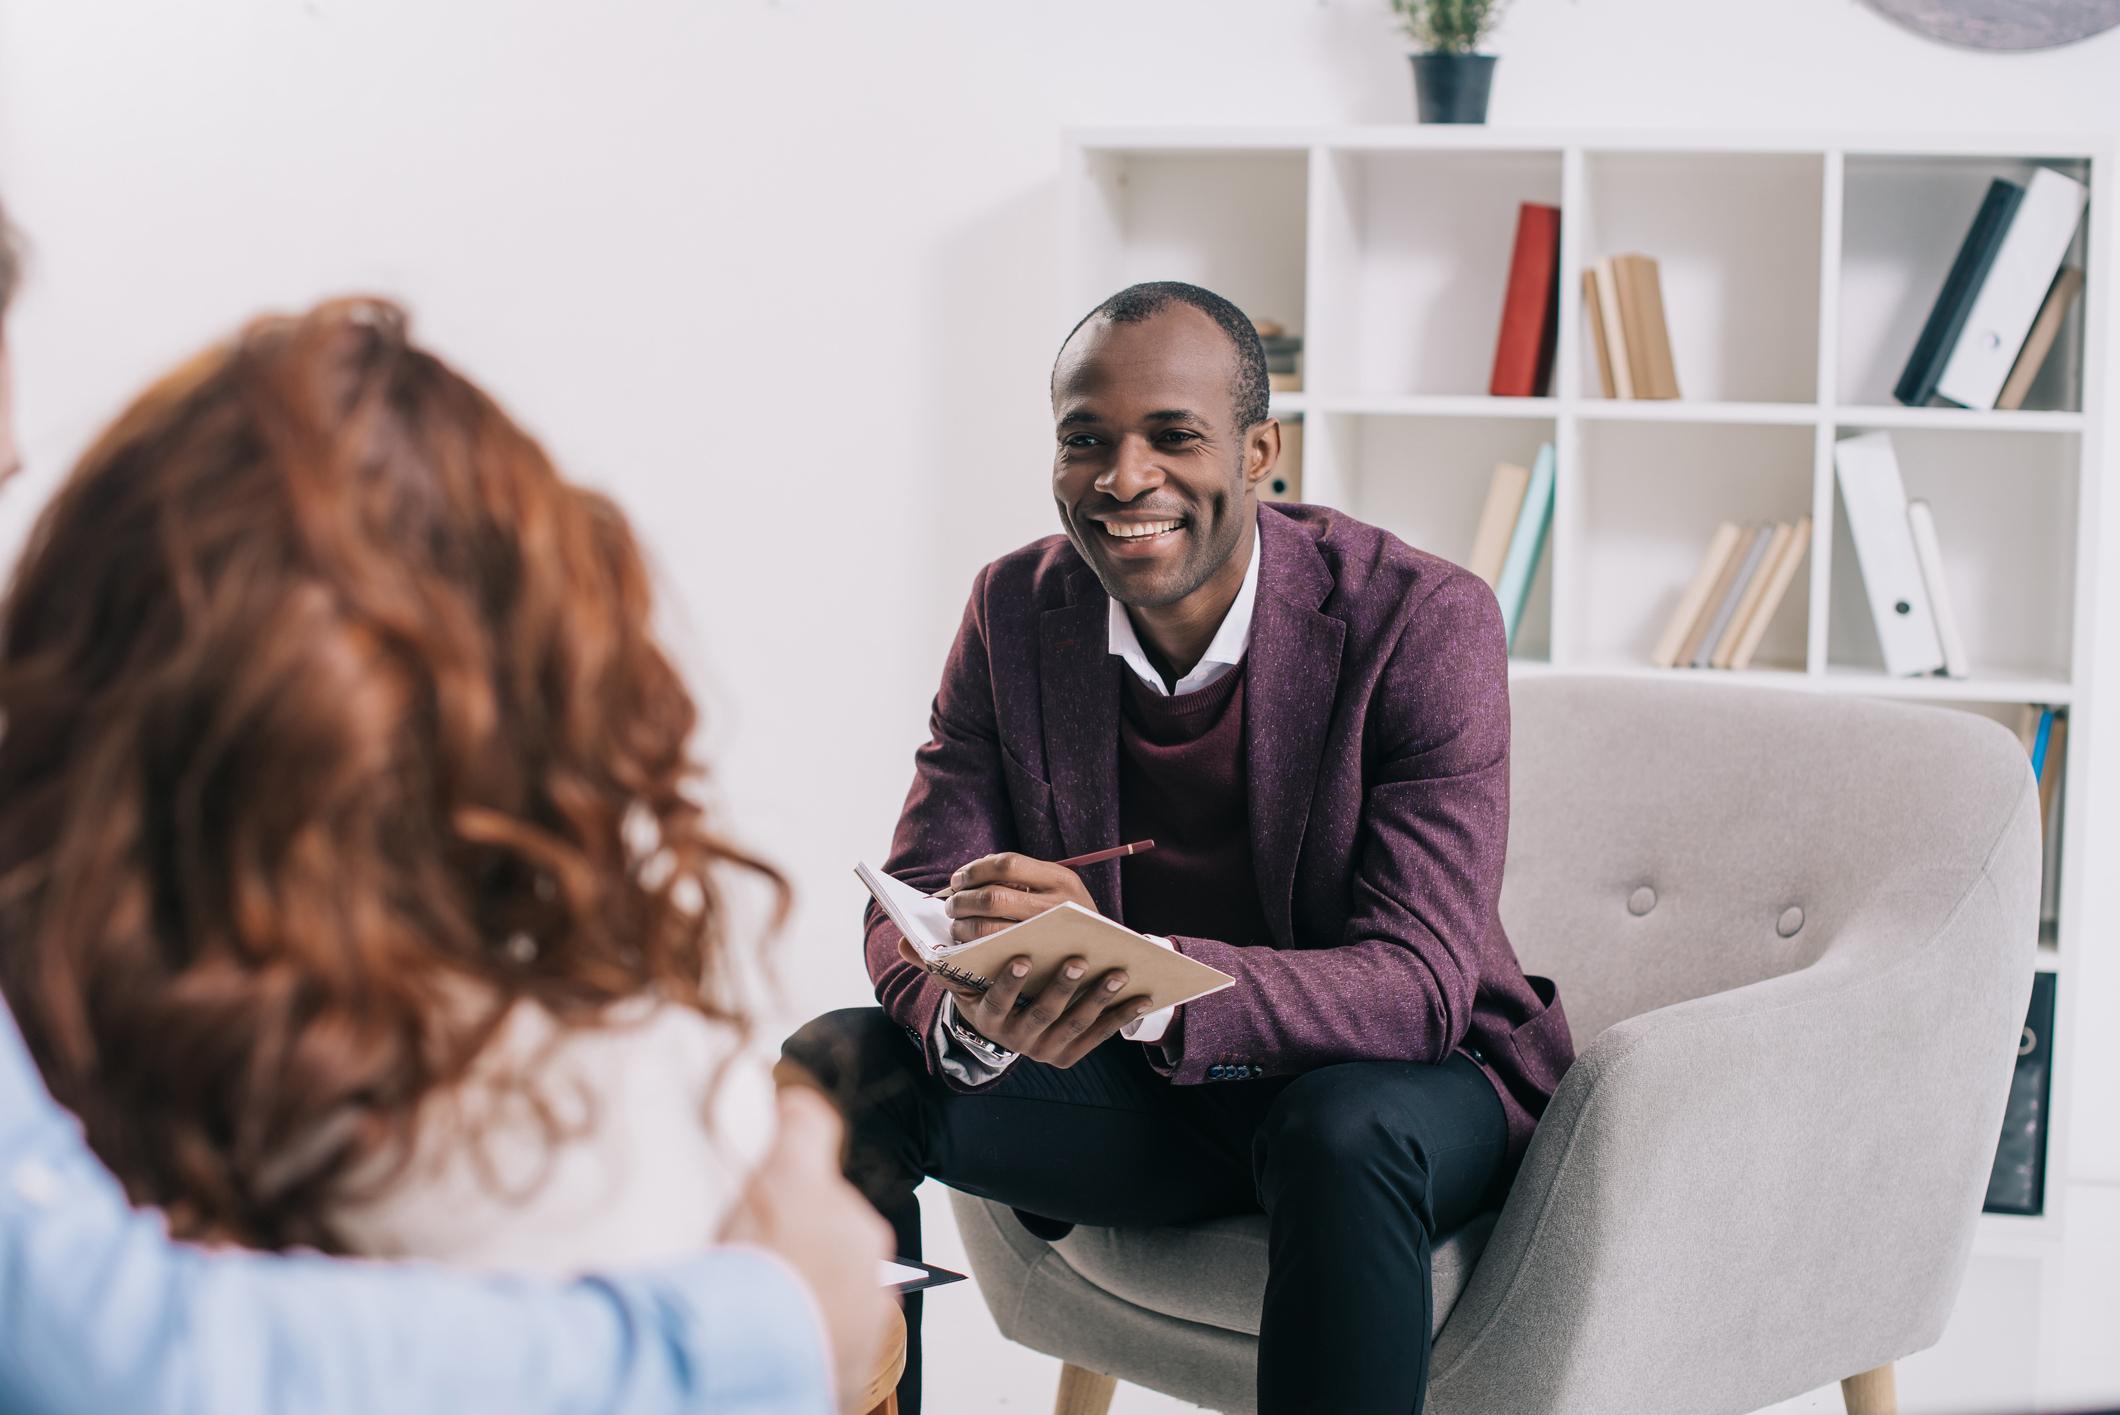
pixel 1153 478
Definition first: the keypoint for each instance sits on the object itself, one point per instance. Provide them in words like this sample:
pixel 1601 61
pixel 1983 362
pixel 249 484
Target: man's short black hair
pixel 1250 391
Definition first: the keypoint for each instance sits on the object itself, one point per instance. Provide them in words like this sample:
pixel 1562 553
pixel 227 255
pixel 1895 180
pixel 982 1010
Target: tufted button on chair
pixel 1795 939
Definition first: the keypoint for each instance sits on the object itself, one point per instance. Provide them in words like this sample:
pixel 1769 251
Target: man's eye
pixel 1080 439
pixel 1178 436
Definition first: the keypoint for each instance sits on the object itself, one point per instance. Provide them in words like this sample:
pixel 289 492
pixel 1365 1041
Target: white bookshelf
pixel 1797 270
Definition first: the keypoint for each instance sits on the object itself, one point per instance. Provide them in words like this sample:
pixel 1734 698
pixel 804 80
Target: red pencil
pixel 1076 862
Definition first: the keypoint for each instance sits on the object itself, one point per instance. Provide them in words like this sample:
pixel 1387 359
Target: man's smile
pixel 1139 538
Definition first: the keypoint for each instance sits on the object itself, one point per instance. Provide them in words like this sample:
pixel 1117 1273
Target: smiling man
pixel 1311 720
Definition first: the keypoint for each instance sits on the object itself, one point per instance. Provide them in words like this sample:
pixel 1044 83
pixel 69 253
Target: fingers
pixel 993 1014
pixel 1008 867
pixel 966 930
pixel 1052 1002
pixel 909 953
pixel 1105 1028
pixel 979 910
pixel 1080 1027
pixel 996 901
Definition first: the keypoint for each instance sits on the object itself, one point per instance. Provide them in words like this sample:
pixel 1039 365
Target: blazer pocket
pixel 1027 791
pixel 1543 1046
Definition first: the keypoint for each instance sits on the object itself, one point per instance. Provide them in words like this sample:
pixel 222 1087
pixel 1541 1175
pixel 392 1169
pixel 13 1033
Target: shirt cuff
pixel 959 1061
pixel 1151 1028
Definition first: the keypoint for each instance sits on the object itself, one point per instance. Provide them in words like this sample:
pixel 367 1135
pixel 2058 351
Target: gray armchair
pixel 1794 935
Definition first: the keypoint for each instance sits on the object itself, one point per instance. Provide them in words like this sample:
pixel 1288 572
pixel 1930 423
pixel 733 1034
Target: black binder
pixel 1939 336
pixel 2018 1183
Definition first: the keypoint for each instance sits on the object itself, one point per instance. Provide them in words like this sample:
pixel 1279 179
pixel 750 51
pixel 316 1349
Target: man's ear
pixel 1262 452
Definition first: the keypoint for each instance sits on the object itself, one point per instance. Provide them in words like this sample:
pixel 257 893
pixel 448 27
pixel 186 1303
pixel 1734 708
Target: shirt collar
pixel 1224 652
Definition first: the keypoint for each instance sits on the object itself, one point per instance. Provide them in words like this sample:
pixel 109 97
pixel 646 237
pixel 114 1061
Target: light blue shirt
pixel 101 1312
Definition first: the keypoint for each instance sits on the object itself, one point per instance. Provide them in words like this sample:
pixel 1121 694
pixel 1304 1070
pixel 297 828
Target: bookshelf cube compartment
pixel 1425 480
pixel 1903 220
pixel 1649 498
pixel 1736 240
pixel 1415 253
pixel 2006 514
pixel 1234 222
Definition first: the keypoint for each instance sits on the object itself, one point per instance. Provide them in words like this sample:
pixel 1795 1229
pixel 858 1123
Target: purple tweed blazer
pixel 1376 747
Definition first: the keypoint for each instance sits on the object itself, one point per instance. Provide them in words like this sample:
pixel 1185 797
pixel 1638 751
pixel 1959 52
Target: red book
pixel 1523 357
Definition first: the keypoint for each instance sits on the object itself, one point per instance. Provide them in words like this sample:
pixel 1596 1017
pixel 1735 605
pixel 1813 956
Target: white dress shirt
pixel 1224 652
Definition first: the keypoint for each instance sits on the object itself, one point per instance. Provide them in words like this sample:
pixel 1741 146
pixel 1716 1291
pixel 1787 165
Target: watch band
pixel 990 1052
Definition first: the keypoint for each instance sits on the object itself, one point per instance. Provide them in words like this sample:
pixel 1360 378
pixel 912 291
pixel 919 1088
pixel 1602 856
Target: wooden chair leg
pixel 1871 1393
pixel 1084 1392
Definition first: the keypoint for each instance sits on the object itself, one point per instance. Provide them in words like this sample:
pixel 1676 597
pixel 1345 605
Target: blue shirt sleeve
pixel 100 1311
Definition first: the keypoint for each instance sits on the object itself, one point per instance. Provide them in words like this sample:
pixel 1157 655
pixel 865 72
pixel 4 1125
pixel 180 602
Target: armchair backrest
pixel 1673 840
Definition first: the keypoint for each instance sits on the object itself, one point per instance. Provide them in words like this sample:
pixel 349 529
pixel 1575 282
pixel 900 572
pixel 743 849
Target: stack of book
pixel 1624 299
pixel 2003 302
pixel 1901 561
pixel 1523 355
pixel 1724 611
pixel 1512 534
pixel 1284 356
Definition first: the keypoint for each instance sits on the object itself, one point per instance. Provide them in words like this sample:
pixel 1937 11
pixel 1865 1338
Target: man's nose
pixel 1133 471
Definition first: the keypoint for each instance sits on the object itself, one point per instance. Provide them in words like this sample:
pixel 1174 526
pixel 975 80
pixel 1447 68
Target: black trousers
pixel 1358 1168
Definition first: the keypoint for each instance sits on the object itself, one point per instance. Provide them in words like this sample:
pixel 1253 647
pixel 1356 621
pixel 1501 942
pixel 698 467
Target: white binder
pixel 2016 285
pixel 1876 503
pixel 1929 551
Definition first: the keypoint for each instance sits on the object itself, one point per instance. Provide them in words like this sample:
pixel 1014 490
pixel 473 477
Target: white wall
pixel 781 274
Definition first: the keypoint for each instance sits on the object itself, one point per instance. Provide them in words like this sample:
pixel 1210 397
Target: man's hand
pixel 1070 1019
pixel 799 1208
pixel 995 891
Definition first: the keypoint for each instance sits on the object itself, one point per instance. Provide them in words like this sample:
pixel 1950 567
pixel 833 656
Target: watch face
pixel 2004 24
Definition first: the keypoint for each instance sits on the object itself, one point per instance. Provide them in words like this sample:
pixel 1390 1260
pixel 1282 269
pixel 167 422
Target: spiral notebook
pixel 1066 931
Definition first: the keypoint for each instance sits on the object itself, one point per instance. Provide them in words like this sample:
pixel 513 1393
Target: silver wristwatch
pixel 988 1052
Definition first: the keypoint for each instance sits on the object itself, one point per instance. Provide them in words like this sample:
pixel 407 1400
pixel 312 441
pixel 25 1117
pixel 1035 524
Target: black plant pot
pixel 1452 88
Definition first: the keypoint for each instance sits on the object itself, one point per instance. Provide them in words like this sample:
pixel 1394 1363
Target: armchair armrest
pixel 1741 1197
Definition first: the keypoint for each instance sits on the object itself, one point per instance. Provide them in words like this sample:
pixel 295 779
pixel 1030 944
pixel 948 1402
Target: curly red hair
pixel 328 706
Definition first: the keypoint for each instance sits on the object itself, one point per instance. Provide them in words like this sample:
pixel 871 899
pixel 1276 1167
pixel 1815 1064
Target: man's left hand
pixel 995 891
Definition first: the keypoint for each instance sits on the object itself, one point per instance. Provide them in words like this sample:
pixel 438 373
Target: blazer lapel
pixel 1290 685
pixel 1078 688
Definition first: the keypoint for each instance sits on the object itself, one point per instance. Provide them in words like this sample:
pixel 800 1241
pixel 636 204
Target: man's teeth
pixel 1135 530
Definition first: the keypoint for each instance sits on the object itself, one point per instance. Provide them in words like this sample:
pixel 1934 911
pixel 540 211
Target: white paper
pixel 922 918
pixel 891 1274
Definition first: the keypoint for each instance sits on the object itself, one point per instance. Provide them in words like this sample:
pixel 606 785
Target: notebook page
pixel 920 917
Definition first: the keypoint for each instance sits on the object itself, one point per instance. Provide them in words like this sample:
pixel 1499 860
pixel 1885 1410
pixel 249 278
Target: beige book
pixel 1780 576
pixel 1593 305
pixel 1718 594
pixel 1615 331
pixel 1490 543
pixel 2040 342
pixel 1694 600
pixel 1642 299
pixel 2028 727
pixel 1748 603
pixel 2052 769
pixel 1162 975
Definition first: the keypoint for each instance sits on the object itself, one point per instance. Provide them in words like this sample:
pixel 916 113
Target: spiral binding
pixel 960 976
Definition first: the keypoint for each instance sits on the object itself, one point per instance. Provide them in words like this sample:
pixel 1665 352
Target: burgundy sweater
pixel 1181 784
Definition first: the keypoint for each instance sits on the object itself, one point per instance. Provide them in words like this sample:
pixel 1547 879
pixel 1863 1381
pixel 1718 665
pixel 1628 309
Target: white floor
pixel 2036 1332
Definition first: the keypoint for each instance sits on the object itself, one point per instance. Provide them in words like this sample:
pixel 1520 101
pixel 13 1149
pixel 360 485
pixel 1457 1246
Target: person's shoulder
pixel 1028 580
pixel 1378 581
pixel 1040 568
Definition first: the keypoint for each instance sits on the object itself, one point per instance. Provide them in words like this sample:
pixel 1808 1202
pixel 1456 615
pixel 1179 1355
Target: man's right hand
pixel 799 1208
pixel 1071 1018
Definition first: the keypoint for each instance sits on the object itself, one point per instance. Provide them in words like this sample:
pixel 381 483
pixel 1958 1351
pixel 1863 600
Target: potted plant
pixel 1450 76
